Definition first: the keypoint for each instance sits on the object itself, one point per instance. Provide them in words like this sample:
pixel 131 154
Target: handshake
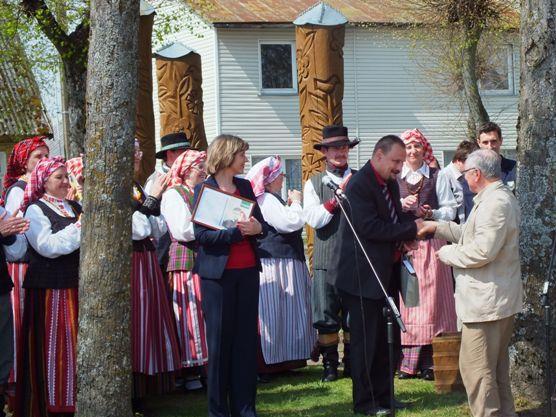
pixel 425 228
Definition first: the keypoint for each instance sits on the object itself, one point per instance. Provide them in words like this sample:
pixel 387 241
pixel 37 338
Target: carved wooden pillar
pixel 180 94
pixel 144 130
pixel 319 38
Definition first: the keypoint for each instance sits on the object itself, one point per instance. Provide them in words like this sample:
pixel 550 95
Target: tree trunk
pixel 75 79
pixel 103 361
pixel 535 189
pixel 477 112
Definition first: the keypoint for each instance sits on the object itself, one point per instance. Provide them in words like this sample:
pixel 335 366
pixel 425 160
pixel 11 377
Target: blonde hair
pixel 222 151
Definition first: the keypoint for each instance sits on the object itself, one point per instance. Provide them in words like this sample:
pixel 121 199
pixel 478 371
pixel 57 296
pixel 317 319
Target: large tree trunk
pixel 103 362
pixel 75 79
pixel 535 188
pixel 477 112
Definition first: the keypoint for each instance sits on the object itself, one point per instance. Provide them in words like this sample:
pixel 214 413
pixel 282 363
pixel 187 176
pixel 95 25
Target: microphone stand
pixel 390 311
pixel 545 302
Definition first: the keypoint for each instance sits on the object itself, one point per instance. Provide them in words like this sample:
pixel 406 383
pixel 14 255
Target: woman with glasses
pixel 424 194
pixel 285 324
pixel 186 172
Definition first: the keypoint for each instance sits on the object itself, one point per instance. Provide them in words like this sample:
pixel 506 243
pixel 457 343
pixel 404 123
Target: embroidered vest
pixel 181 256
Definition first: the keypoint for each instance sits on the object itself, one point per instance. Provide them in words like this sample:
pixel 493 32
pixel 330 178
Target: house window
pixel 496 75
pixel 277 67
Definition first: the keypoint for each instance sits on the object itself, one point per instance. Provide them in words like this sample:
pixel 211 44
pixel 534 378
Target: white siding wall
pixel 201 38
pixel 384 93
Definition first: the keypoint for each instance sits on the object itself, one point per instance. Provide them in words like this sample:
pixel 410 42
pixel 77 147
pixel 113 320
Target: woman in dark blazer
pixel 229 266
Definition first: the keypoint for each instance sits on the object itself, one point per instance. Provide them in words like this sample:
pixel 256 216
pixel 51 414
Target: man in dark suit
pixel 382 227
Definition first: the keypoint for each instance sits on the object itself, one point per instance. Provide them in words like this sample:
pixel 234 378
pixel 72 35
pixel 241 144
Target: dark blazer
pixel 370 217
pixel 214 245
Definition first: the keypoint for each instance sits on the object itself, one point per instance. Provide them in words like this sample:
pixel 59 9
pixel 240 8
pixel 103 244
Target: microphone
pixel 338 192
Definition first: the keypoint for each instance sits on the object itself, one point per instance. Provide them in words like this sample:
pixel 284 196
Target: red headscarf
pixel 415 135
pixel 35 187
pixel 18 159
pixel 183 164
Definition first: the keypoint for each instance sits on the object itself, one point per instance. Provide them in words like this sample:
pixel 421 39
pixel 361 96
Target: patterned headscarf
pixel 35 187
pixel 18 159
pixel 183 164
pixel 263 173
pixel 75 170
pixel 415 135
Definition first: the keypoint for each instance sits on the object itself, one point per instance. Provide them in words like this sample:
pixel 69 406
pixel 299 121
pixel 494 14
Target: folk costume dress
pixel 176 207
pixel 285 322
pixel 155 350
pixel 436 312
pixel 14 184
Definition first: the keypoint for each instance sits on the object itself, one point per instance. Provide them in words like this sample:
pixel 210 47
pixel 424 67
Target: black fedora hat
pixel 335 136
pixel 172 141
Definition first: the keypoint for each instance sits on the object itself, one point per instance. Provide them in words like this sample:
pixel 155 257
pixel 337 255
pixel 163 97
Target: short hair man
pixel 489 291
pixel 453 175
pixel 376 213
pixel 489 136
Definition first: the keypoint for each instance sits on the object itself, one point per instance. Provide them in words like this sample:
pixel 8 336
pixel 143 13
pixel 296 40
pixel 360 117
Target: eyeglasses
pixel 469 169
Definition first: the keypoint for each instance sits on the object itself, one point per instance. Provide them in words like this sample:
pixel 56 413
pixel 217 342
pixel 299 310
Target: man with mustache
pixel 376 213
pixel 322 213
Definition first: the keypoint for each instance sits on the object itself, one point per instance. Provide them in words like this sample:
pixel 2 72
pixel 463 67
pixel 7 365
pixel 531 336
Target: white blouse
pixel 177 215
pixel 14 200
pixel 41 238
pixel 285 219
pixel 16 250
pixel 314 213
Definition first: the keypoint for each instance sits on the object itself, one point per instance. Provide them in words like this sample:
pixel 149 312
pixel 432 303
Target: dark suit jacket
pixel 370 217
pixel 214 245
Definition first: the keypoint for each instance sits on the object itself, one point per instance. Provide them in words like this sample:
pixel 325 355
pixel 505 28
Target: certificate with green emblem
pixel 220 210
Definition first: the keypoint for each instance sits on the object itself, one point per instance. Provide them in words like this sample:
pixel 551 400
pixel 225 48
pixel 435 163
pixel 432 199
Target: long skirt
pixel 153 335
pixel 188 313
pixel 285 321
pixel 17 271
pixel 436 312
pixel 46 382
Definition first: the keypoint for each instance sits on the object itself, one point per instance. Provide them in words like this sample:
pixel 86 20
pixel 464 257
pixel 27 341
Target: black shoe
pixel 330 363
pixel 427 375
pixel 398 405
pixel 330 373
pixel 263 378
pixel 405 375
pixel 376 411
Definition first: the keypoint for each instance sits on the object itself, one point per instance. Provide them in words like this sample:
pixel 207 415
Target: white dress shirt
pixel 177 215
pixel 143 226
pixel 159 170
pixel 285 219
pixel 16 250
pixel 314 213
pixel 41 238
pixel 447 205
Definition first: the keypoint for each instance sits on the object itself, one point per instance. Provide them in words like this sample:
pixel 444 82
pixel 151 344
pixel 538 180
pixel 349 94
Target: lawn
pixel 303 395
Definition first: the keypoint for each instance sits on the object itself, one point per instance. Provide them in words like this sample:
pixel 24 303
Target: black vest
pixel 6 284
pixel 325 237
pixel 54 273
pixel 21 185
pixel 282 245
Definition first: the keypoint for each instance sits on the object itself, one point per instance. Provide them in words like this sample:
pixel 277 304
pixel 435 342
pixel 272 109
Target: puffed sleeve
pixel 158 226
pixel 46 243
pixel 14 199
pixel 314 213
pixel 140 226
pixel 177 215
pixel 283 218
pixel 14 246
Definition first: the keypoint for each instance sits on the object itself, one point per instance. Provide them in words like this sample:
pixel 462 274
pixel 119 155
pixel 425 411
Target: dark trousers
pixel 230 307
pixel 369 352
pixel 329 312
pixel 6 338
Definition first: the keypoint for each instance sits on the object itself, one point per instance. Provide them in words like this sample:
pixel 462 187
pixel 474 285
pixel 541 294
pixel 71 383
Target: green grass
pixel 303 395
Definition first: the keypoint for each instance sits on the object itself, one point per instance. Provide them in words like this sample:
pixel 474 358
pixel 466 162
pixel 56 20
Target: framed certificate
pixel 220 210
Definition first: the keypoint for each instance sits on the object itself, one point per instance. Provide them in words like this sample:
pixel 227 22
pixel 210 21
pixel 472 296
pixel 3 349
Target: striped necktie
pixel 390 204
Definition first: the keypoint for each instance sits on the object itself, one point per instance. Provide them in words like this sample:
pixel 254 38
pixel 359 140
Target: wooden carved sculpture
pixel 181 97
pixel 320 75
pixel 145 115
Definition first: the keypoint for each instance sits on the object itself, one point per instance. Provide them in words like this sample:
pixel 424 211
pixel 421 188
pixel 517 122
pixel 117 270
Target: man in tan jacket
pixel 489 292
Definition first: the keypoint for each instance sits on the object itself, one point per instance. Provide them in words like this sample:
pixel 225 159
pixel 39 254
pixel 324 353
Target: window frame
pixel 277 91
pixel 510 91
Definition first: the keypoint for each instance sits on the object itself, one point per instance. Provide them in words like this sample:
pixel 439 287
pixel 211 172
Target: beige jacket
pixel 485 257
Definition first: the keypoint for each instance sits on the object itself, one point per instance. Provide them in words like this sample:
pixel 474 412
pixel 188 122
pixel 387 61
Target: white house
pixel 385 89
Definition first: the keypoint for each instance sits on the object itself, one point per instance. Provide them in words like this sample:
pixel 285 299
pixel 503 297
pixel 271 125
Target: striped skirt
pixel 285 322
pixel 436 312
pixel 47 360
pixel 186 298
pixel 17 271
pixel 153 335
